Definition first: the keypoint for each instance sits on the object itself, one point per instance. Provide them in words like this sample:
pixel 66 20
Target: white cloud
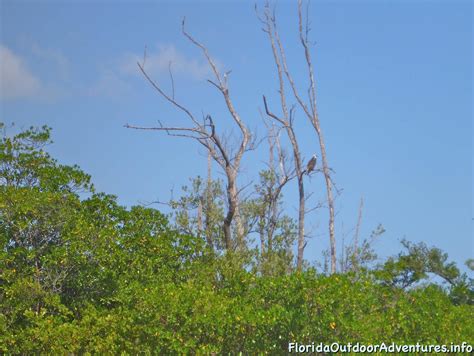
pixel 157 63
pixel 16 80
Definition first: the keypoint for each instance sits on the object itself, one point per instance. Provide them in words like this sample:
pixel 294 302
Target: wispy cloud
pixel 115 79
pixel 45 80
pixel 157 63
pixel 16 80
pixel 109 84
pixel 53 56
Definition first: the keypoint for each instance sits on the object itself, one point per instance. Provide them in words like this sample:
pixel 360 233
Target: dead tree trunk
pixel 314 118
pixel 280 177
pixel 232 210
pixel 286 120
pixel 288 125
pixel 310 110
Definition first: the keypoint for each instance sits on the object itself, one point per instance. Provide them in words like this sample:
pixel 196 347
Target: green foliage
pixel 200 211
pixel 81 274
pixel 360 258
pixel 277 231
pixel 24 163
pixel 418 263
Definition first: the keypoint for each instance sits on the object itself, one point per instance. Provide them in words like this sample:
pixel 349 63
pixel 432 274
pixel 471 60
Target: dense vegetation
pixel 80 273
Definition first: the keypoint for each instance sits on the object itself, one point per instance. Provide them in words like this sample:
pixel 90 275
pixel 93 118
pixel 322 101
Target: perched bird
pixel 311 164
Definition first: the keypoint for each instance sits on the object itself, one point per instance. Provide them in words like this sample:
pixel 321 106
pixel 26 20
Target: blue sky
pixel 394 85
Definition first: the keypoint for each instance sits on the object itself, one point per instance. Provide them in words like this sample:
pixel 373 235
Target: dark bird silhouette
pixel 311 164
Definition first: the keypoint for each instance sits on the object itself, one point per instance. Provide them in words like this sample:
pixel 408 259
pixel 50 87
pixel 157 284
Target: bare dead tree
pixel 286 120
pixel 204 132
pixel 309 107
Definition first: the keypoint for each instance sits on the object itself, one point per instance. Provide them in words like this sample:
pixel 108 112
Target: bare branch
pixel 216 85
pixel 272 115
pixel 204 50
pixel 229 163
pixel 166 96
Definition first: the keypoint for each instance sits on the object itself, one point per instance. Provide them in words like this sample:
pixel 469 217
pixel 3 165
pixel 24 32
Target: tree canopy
pixel 81 273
